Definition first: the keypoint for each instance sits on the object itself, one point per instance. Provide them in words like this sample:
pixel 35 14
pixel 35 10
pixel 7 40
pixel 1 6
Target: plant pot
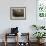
pixel 40 41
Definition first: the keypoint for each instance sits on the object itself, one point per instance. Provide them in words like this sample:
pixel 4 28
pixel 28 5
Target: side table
pixel 8 34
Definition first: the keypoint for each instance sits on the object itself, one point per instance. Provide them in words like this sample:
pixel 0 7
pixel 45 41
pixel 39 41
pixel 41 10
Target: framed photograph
pixel 41 8
pixel 41 12
pixel 18 13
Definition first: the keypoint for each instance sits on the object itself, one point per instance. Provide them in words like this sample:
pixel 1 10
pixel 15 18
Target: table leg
pixel 5 40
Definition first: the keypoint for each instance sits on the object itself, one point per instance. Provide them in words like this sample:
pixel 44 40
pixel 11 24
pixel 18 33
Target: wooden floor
pixel 13 44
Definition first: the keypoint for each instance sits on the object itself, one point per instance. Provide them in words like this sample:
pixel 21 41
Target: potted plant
pixel 39 35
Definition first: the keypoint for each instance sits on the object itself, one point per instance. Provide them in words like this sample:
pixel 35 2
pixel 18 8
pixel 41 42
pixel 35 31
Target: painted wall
pixel 24 25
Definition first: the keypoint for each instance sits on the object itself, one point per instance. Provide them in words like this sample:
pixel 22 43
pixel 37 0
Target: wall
pixel 24 25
